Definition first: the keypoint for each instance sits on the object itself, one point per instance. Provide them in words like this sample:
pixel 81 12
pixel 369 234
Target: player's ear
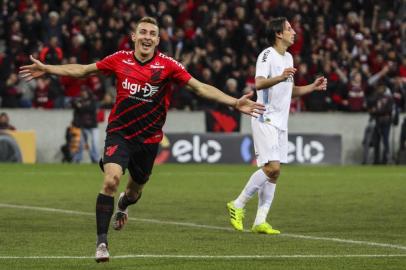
pixel 133 36
pixel 157 41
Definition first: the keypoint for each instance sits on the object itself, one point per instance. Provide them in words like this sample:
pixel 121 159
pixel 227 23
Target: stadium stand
pixel 350 41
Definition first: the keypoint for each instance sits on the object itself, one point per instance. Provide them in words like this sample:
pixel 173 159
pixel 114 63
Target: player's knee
pixel 111 182
pixel 272 172
pixel 133 195
pixel 145 179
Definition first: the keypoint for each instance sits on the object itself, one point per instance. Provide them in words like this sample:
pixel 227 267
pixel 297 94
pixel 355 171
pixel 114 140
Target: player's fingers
pixel 254 114
pixel 291 70
pixel 259 106
pixel 257 111
pixel 24 75
pixel 33 59
pixel 26 67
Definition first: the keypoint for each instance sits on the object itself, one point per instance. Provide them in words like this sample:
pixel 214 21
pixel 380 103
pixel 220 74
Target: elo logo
pixel 185 151
pixel 312 152
pixel 245 149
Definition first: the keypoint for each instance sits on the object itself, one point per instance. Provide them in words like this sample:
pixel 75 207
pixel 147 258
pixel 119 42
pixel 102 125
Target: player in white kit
pixel 275 88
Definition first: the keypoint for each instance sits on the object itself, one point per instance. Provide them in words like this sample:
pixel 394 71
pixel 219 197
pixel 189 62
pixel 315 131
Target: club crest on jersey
pixel 111 150
pixel 148 89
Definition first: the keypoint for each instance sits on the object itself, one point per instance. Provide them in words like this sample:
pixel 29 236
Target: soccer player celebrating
pixel 275 87
pixel 135 123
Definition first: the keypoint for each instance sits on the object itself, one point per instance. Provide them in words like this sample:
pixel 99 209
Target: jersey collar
pixel 146 62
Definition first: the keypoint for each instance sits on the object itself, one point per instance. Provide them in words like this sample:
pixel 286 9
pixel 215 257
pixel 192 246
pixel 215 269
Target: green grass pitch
pixel 331 217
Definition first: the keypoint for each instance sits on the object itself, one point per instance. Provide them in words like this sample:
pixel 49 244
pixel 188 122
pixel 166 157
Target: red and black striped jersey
pixel 143 93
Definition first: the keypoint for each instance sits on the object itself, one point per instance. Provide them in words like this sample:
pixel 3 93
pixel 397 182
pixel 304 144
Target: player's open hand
pixel 35 70
pixel 245 105
pixel 320 84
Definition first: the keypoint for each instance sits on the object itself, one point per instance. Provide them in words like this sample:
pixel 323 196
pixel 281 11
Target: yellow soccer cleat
pixel 264 228
pixel 236 216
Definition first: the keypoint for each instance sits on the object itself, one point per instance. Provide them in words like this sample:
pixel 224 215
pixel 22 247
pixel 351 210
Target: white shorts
pixel 270 143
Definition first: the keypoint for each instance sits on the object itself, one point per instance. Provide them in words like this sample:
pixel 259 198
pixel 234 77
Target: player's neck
pixel 280 48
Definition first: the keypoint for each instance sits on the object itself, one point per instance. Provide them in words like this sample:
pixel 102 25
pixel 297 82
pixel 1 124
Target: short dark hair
pixel 276 26
pixel 150 20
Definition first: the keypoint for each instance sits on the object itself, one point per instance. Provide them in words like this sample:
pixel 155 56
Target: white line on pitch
pixel 158 256
pixel 187 224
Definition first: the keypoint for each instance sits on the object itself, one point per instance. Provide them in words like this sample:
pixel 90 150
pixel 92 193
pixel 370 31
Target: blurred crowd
pixel 356 44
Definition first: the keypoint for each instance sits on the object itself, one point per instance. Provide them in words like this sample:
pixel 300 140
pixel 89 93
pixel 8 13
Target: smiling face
pixel 145 38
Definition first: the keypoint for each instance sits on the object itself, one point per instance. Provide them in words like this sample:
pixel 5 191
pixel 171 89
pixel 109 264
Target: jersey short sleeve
pixel 108 64
pixel 263 68
pixel 179 73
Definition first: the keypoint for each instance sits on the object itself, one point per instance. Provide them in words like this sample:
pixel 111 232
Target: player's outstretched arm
pixel 319 84
pixel 244 104
pixel 37 69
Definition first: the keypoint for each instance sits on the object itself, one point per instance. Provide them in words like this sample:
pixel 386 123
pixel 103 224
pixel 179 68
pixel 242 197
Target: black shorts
pixel 137 157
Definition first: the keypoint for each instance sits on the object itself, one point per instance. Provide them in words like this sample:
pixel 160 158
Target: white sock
pixel 256 181
pixel 265 198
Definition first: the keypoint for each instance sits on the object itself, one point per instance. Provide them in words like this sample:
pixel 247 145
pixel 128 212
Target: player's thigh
pixel 141 162
pixel 116 151
pixel 266 143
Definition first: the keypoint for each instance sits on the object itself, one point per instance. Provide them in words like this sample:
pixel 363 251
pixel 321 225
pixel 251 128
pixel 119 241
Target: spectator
pixel 52 53
pixel 5 122
pixel 41 98
pixel 52 27
pixel 85 118
pixel 356 93
pixel 381 110
pixel 11 94
pixel 27 90
pixel 72 145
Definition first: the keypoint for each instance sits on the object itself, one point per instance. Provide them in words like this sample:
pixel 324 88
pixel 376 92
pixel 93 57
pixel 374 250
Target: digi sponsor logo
pixel 148 89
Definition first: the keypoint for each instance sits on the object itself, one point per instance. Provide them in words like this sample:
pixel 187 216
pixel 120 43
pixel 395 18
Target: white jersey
pixel 278 97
